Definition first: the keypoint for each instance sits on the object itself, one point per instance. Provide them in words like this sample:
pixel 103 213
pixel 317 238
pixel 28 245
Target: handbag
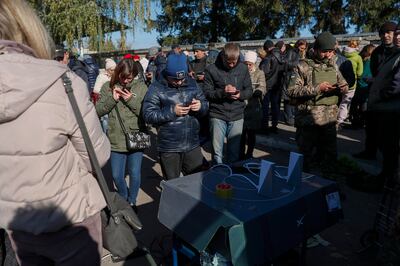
pixel 135 140
pixel 119 221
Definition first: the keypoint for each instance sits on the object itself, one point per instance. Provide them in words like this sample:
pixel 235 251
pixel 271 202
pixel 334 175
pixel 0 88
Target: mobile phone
pixel 187 103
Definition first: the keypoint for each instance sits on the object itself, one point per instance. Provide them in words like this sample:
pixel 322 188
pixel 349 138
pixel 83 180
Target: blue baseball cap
pixel 177 66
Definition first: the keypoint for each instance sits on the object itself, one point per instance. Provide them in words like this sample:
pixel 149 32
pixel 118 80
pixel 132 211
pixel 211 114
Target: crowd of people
pixel 47 189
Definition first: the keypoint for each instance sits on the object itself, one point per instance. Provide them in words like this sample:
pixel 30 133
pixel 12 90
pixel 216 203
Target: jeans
pixel 232 130
pixel 133 160
pixel 344 106
pixel 288 112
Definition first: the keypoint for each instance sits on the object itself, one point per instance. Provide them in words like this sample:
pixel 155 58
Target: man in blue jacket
pixel 227 85
pixel 173 105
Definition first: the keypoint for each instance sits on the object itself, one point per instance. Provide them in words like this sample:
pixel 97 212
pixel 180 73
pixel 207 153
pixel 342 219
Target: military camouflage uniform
pixel 316 112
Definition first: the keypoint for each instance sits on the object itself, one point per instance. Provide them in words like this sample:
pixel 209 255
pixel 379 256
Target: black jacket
pixel 346 69
pixel 92 71
pixel 156 66
pixel 273 66
pixel 175 133
pixel 378 57
pixel 384 94
pixel 217 76
pixel 291 59
pixel 79 68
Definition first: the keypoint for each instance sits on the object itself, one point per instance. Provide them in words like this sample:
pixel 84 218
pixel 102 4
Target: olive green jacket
pixel 314 107
pixel 130 111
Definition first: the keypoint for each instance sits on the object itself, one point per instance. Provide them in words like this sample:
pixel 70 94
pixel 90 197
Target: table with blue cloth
pixel 247 228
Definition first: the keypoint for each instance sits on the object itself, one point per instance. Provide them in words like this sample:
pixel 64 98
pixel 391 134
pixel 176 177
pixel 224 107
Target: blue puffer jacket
pixel 175 133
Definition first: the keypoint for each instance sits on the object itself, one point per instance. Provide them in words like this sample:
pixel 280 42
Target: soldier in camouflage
pixel 315 87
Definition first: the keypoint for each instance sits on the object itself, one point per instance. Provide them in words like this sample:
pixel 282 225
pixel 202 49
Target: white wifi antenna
pixel 295 169
pixel 265 183
pixel 267 173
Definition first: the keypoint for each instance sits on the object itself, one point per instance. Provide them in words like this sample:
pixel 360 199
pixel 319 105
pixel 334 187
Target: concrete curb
pixel 277 143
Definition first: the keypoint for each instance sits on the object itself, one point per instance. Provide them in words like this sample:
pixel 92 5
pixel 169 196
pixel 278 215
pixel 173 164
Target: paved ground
pixel 359 208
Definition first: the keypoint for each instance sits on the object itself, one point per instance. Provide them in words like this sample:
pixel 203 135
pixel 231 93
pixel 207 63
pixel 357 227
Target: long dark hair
pixel 124 68
pixel 367 51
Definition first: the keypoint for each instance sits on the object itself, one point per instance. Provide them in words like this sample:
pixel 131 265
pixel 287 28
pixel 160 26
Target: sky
pixel 141 39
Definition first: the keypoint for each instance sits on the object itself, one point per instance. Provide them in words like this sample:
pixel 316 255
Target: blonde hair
pixel 231 51
pixel 261 52
pixel 353 44
pixel 19 23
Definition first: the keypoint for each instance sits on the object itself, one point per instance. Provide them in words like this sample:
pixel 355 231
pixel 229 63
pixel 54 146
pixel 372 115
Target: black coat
pixel 217 76
pixel 346 69
pixel 92 72
pixel 175 133
pixel 273 66
pixel 79 68
pixel 378 57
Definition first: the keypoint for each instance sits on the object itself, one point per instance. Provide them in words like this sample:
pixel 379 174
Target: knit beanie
pixel 199 46
pixel 250 56
pixel 110 64
pixel 177 66
pixel 325 41
pixel 280 44
pixel 387 26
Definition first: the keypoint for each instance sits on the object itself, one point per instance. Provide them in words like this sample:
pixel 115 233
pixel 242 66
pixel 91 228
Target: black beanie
pixel 268 44
pixel 387 26
pixel 325 41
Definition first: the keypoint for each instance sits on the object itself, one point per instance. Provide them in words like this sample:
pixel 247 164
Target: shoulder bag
pixel 119 221
pixel 135 140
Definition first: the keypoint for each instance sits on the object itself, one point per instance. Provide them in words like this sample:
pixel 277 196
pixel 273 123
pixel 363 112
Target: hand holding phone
pixel 181 110
pixel 195 105
pixel 230 89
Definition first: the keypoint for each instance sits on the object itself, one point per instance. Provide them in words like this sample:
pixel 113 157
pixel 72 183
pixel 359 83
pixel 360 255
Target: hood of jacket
pixel 351 54
pixel 278 55
pixel 17 92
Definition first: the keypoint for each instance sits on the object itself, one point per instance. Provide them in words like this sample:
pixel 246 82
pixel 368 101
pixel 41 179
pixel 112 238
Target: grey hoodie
pixel 45 179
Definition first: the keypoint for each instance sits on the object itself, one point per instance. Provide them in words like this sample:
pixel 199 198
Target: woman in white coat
pixel 50 202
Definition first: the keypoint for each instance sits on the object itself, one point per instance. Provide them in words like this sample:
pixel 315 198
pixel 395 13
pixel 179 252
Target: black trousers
pixel 273 96
pixel 249 138
pixel 318 144
pixel 388 142
pixel 371 132
pixel 173 163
